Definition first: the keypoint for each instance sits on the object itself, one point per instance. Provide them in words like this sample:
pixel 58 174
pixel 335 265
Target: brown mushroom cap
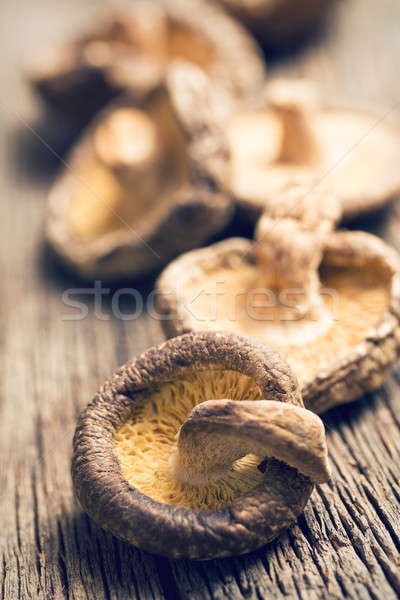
pixel 355 153
pixel 131 50
pixel 125 448
pixel 144 183
pixel 328 301
pixel 278 22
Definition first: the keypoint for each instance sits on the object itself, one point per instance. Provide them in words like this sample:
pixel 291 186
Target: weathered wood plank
pixel 347 542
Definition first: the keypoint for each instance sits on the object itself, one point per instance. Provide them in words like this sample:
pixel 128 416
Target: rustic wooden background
pixel 348 540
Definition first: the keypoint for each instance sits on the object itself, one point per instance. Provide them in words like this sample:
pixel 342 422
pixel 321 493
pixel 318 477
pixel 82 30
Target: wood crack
pixel 167 579
pixel 62 561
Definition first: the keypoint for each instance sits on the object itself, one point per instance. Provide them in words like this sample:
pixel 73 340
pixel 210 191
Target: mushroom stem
pixel 295 103
pixel 127 138
pixel 216 433
pixel 290 243
pixel 127 143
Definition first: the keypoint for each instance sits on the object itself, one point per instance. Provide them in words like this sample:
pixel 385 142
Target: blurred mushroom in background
pixel 131 50
pixel 145 182
pixel 352 151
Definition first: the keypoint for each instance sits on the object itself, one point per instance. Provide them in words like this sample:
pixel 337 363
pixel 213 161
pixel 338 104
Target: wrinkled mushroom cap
pixel 144 183
pixel 132 49
pixel 123 438
pixel 352 151
pixel 340 345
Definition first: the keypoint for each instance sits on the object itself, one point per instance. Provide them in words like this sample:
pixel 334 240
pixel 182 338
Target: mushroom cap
pixel 132 48
pixel 278 22
pixel 354 152
pixel 145 183
pixel 252 519
pixel 342 351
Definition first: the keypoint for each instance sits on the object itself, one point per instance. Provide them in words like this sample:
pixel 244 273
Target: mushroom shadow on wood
pixel 41 146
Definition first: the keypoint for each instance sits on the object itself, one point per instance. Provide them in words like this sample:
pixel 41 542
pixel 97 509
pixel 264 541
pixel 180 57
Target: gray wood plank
pixel 347 542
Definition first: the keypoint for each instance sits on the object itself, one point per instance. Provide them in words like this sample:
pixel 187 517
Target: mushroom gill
pixel 353 301
pixel 143 443
pixel 322 298
pixel 179 447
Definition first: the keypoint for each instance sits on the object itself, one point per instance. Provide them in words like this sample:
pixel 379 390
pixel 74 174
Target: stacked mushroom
pixel 202 447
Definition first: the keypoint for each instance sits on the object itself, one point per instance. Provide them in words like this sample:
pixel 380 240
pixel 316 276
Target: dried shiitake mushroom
pixel 328 301
pixel 279 22
pixel 199 448
pixel 131 50
pixel 355 153
pixel 144 183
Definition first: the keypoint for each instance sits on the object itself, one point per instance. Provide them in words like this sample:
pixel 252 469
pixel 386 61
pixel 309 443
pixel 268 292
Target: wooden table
pixel 347 542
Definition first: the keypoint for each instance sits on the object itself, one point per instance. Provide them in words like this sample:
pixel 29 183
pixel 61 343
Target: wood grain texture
pixel 347 542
